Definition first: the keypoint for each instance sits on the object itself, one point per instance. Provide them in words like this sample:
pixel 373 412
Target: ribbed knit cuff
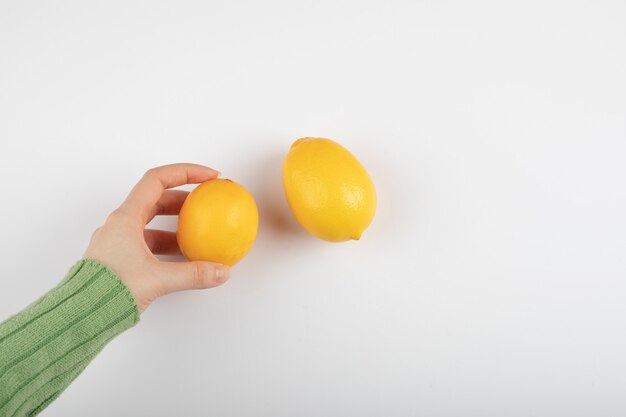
pixel 48 344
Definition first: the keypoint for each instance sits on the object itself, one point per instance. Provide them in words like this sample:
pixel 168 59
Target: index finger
pixel 155 181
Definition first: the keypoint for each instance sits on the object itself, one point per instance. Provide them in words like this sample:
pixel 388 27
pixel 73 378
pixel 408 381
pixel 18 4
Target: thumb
pixel 179 276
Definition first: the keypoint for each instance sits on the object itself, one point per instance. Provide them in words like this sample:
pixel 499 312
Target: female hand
pixel 127 248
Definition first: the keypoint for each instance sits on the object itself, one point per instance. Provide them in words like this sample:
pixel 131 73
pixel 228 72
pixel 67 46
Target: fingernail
pixel 222 273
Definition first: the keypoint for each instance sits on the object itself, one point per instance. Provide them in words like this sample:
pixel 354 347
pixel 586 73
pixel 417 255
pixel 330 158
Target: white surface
pixel 493 278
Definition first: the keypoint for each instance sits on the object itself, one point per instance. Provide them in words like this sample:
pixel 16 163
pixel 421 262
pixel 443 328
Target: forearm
pixel 47 345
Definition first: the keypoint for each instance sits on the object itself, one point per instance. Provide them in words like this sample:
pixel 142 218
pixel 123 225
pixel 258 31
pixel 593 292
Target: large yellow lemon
pixel 328 190
pixel 218 222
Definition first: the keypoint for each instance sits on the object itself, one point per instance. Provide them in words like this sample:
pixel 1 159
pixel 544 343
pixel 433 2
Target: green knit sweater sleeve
pixel 46 346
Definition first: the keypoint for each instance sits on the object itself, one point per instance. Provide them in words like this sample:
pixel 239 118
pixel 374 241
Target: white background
pixel 492 281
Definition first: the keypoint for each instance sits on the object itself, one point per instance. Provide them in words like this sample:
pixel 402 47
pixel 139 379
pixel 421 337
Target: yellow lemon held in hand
pixel 328 190
pixel 217 222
